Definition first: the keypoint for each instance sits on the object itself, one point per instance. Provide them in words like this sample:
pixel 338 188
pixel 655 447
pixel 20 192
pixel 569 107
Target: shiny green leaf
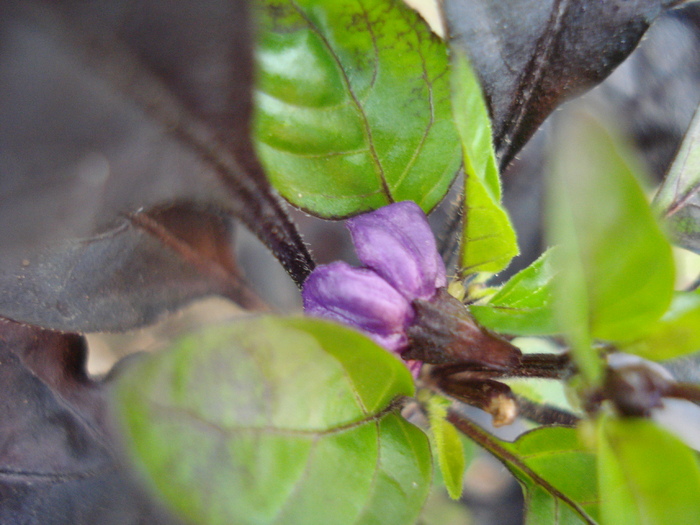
pixel 678 200
pixel 488 238
pixel 267 420
pixel 525 304
pixel 615 263
pixel 558 478
pixel 448 446
pixel 353 108
pixel 646 475
pixel 676 334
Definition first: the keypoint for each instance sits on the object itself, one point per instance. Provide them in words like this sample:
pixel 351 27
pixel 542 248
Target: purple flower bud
pixel 397 243
pixel 398 248
pixel 359 297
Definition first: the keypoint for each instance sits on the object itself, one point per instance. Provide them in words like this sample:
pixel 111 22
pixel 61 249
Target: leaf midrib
pixel 532 76
pixel 511 461
pixel 365 123
pixel 215 428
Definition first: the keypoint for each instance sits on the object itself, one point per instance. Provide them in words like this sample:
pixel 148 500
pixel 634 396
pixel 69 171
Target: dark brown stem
pixel 687 391
pixel 490 396
pixel 543 366
pixel 545 414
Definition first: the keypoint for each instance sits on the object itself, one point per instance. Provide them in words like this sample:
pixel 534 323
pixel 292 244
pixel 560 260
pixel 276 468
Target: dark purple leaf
pixel 533 54
pixel 59 463
pixel 153 262
pixel 109 109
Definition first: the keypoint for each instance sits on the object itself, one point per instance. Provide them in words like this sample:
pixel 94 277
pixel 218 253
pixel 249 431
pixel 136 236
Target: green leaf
pixel 616 265
pixel 678 199
pixel 488 239
pixel 646 475
pixel 676 334
pixel 448 445
pixel 558 478
pixel 268 420
pixel 525 304
pixel 557 473
pixel 353 108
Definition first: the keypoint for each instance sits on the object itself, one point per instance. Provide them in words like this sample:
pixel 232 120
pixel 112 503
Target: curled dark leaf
pixel 58 459
pixel 153 262
pixel 532 55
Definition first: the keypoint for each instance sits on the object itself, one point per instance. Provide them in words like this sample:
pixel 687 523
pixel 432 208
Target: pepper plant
pixel 166 122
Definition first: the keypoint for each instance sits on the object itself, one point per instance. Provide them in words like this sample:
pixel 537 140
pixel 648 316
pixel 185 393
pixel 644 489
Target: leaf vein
pixel 356 101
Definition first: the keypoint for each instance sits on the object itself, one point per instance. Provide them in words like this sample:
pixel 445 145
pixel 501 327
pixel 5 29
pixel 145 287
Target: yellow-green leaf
pixel 488 238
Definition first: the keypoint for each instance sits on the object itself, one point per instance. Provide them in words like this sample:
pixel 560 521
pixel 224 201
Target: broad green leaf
pixel 557 473
pixel 448 445
pixel 646 475
pixel 616 268
pixel 676 334
pixel 488 239
pixel 678 200
pixel 272 420
pixel 525 304
pixel 353 108
pixel 558 476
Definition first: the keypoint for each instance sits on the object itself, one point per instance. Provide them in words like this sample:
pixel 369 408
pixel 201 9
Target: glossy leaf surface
pixel 488 237
pixel 533 54
pixel 646 475
pixel 111 109
pixel 154 262
pixel 353 108
pixel 268 420
pixel 615 264
pixel 677 199
pixel 557 473
pixel 525 304
pixel 562 488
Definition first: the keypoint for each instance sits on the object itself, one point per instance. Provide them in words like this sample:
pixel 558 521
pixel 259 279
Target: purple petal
pixel 360 298
pixel 396 242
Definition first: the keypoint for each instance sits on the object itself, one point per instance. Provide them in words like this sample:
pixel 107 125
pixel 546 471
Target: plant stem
pixel 545 414
pixel 543 366
pixel 688 391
